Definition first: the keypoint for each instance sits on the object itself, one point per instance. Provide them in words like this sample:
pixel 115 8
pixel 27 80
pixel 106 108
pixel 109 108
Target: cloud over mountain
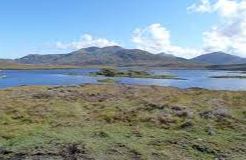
pixel 230 34
pixel 85 41
pixel 155 38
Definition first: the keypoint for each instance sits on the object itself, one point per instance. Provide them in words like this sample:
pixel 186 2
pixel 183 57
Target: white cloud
pixel 230 38
pixel 230 35
pixel 156 39
pixel 226 8
pixel 203 6
pixel 86 41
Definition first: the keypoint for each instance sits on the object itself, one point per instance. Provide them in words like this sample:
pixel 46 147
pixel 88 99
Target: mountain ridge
pixel 219 58
pixel 118 56
pixel 112 55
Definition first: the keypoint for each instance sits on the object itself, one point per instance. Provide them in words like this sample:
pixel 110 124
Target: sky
pixel 183 28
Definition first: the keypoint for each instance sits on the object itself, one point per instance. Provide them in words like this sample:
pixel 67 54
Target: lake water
pixel 194 78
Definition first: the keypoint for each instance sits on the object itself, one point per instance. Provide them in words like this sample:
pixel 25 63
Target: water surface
pixel 194 78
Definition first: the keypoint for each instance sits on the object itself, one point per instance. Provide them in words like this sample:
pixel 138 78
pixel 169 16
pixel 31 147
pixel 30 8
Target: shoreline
pixel 114 83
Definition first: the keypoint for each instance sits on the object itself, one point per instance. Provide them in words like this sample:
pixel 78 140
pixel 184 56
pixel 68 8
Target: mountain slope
pixel 6 60
pixel 10 64
pixel 219 58
pixel 113 55
pixel 231 67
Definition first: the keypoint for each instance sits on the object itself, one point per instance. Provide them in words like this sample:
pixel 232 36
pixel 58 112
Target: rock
pixel 244 113
pixel 206 114
pixel 186 125
pixel 218 113
pixel 203 149
pixel 4 151
pixel 211 131
pixel 101 134
pixel 177 108
pixel 136 132
pixel 152 106
pixel 184 113
pixel 74 152
pixel 220 157
pixel 223 112
pixel 41 96
pixel 165 119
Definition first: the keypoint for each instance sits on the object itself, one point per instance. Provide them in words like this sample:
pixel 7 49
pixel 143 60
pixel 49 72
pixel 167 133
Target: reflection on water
pixel 194 78
pixel 2 75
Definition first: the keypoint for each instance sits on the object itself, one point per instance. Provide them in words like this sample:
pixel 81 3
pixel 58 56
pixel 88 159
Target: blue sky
pixel 37 26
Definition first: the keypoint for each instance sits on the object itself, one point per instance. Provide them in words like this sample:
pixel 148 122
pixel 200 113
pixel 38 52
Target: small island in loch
pixel 111 72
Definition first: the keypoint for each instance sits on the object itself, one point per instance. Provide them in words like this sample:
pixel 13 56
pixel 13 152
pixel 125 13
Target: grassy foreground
pixel 121 122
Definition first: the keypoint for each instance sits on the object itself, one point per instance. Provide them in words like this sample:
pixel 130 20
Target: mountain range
pixel 219 58
pixel 113 55
pixel 118 56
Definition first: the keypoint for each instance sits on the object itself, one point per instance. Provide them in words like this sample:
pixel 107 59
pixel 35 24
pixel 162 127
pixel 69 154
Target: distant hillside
pixel 6 60
pixel 11 64
pixel 113 55
pixel 231 67
pixel 219 58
